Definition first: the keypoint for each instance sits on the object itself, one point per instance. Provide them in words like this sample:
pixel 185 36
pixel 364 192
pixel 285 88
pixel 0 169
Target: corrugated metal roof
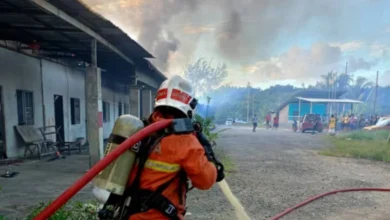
pixel 24 21
pixel 329 100
pixel 310 93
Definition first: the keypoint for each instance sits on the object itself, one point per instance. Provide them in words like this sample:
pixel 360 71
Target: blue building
pixel 320 102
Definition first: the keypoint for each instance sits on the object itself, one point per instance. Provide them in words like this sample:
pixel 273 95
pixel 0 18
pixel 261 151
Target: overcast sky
pixel 265 42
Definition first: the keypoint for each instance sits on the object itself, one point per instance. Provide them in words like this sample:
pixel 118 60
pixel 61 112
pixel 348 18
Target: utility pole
pixel 346 68
pixel 207 108
pixel 334 96
pixel 247 109
pixel 253 103
pixel 376 90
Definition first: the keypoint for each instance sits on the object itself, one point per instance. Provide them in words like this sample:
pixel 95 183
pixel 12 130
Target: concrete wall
pixel 146 96
pixel 18 71
pixel 113 98
pixel 283 115
pixel 69 83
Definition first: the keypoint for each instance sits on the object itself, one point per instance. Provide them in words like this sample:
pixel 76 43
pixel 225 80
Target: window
pixel 75 110
pixel 106 111
pixel 25 104
pixel 126 109
pixel 119 108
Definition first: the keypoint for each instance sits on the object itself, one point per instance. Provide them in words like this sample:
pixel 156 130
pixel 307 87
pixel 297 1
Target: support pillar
pixel 135 99
pixel 311 107
pixel 146 102
pixel 94 114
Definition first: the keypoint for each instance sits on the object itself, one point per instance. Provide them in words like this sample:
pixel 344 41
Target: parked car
pixel 229 122
pixel 238 121
pixel 308 122
pixel 382 124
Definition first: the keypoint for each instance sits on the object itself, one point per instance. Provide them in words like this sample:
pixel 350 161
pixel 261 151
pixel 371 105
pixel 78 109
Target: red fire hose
pixel 98 167
pixel 287 211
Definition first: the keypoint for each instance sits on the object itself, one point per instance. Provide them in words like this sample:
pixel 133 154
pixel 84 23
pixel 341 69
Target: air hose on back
pixel 98 167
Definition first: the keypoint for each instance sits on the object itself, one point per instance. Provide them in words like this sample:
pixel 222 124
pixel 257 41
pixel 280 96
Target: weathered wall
pixel 113 98
pixel 18 71
pixel 146 96
pixel 68 83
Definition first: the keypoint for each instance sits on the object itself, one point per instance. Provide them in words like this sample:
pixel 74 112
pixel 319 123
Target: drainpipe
pixel 42 94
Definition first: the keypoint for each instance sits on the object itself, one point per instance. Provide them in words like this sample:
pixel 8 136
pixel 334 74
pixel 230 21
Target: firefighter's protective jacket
pixel 173 153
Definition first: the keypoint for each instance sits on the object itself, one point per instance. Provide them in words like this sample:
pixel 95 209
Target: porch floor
pixel 40 181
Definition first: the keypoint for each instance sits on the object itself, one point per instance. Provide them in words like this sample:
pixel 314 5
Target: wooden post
pixel 388 139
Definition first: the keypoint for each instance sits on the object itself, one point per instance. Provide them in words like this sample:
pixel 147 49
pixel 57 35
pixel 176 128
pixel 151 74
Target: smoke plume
pixel 149 19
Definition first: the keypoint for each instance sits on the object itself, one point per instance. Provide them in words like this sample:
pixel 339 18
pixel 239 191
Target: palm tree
pixel 327 80
pixel 344 81
pixel 358 88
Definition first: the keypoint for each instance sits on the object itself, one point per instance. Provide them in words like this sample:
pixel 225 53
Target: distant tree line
pixel 242 102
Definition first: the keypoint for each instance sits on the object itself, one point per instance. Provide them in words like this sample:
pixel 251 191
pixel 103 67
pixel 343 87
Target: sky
pixel 265 42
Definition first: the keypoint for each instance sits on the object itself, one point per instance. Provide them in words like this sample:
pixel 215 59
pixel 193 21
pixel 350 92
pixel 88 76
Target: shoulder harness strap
pixel 143 200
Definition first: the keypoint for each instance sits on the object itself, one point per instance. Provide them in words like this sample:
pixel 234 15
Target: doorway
pixel 59 117
pixel 3 148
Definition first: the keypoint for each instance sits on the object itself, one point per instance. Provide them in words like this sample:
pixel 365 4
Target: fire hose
pixel 310 200
pixel 98 167
pixel 127 144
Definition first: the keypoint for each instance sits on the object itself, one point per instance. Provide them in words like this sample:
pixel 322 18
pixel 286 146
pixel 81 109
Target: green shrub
pixel 207 125
pixel 213 136
pixel 71 211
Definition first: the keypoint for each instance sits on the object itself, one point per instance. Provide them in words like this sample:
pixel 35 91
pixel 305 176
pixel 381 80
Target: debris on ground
pixel 9 174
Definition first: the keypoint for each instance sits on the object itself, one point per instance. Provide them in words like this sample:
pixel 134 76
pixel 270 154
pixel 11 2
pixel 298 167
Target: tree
pixel 327 80
pixel 344 81
pixel 204 76
pixel 359 87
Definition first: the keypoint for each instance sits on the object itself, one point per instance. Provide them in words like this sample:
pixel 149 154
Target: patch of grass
pixel 72 211
pixel 365 145
pixel 225 159
pixel 365 135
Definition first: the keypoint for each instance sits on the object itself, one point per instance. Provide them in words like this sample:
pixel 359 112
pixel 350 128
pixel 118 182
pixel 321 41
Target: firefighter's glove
pixel 220 171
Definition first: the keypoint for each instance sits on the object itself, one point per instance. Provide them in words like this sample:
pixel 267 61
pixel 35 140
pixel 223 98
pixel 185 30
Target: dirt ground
pixel 274 170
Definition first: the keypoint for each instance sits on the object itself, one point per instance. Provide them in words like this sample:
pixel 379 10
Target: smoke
pixel 252 26
pixel 385 78
pixel 149 19
pixel 229 37
pixel 164 47
pixel 360 64
pixel 253 34
pixel 296 64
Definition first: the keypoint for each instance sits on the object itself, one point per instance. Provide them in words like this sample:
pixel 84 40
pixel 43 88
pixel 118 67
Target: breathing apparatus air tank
pixel 114 178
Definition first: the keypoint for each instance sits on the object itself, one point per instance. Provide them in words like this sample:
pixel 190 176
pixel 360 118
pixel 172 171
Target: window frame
pixel 22 112
pixel 106 111
pixel 120 108
pixel 75 117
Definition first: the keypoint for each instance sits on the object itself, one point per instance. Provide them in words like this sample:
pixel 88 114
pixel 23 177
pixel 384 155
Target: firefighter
pixel 173 161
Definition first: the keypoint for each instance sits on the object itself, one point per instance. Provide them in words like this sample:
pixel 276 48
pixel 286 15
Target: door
pixel 59 117
pixel 3 149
